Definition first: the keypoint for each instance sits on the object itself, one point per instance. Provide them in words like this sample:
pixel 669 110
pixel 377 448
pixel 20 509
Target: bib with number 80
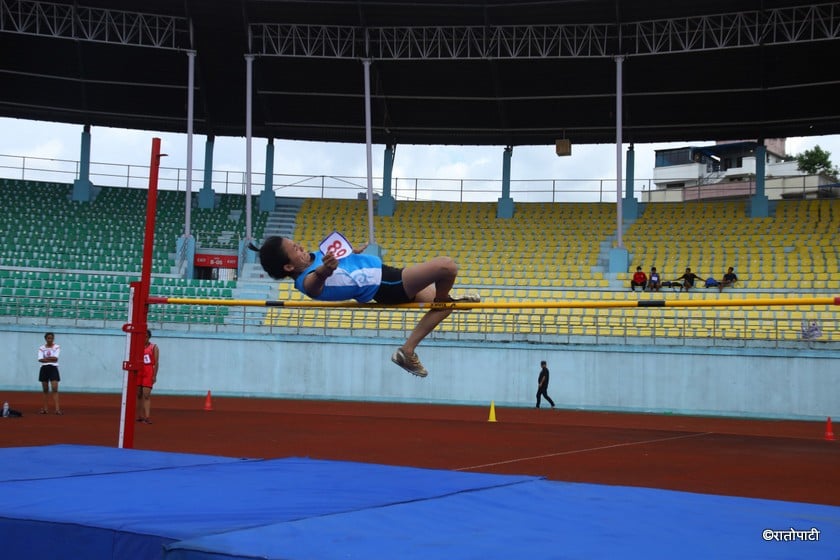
pixel 337 249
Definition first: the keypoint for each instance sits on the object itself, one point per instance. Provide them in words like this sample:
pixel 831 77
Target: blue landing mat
pixel 540 519
pixel 149 505
pixel 127 515
pixel 56 461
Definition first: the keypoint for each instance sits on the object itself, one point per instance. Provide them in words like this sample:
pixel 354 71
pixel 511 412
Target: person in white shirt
pixel 48 375
pixel 654 281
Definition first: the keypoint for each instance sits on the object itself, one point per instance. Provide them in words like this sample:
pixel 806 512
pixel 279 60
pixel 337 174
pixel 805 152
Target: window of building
pixel 666 158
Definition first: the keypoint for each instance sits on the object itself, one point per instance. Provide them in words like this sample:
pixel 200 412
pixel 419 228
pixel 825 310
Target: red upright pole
pixel 137 325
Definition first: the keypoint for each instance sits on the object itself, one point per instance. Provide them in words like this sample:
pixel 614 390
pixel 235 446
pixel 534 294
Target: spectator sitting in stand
pixel 688 279
pixel 639 279
pixel 654 281
pixel 729 279
pixel 811 330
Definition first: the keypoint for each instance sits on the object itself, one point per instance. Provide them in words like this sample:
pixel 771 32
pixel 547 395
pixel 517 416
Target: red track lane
pixel 785 460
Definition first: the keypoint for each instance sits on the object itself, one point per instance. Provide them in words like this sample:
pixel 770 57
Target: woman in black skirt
pixel 48 376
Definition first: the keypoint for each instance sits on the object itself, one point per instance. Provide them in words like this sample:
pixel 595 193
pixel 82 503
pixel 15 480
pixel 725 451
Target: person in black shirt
pixel 728 279
pixel 542 385
pixel 688 280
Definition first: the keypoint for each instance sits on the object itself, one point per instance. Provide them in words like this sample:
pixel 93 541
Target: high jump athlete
pixel 365 278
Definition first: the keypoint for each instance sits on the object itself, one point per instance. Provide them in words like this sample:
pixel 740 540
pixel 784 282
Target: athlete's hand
pixel 360 248
pixel 330 262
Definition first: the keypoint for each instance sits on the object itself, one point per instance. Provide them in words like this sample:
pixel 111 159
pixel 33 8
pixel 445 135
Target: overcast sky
pixel 128 147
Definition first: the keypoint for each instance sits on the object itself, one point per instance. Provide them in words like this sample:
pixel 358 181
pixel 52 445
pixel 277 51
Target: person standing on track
pixel 542 385
pixel 146 380
pixel 48 375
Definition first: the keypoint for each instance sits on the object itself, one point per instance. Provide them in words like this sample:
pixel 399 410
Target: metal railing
pixel 311 186
pixel 402 188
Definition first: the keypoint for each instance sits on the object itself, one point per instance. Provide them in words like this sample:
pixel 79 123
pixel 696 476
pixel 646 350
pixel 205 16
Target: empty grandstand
pixel 73 262
pixel 556 252
pixel 67 262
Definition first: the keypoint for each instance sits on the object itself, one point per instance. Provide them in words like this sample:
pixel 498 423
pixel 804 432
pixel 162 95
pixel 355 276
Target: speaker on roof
pixel 563 147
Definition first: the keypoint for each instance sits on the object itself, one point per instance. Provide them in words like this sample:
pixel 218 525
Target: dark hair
pixel 272 257
pixel 52 334
pixel 638 268
pixel 542 363
pixel 149 333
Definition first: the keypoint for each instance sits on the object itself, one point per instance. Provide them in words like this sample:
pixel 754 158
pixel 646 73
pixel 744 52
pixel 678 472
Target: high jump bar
pixel 746 302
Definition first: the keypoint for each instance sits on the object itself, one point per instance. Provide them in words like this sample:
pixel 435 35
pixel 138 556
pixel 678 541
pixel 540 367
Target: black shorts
pixel 391 291
pixel 48 372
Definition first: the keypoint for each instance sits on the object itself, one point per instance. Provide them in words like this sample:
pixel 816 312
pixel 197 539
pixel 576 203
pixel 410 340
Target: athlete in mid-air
pixel 365 278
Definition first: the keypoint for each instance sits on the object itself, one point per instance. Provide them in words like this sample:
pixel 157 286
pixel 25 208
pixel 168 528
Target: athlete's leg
pixel 45 387
pixel 54 385
pixel 427 282
pixel 438 274
pixel 146 396
pixel 139 406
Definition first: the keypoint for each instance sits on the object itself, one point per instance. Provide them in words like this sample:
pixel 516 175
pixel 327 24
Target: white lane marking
pixel 574 451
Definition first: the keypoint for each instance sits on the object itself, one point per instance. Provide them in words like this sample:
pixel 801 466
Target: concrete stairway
pixel 254 283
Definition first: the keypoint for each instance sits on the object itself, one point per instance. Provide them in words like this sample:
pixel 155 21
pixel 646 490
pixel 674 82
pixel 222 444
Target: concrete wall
pixel 692 380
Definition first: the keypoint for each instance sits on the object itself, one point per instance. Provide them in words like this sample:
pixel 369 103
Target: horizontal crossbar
pixel 569 304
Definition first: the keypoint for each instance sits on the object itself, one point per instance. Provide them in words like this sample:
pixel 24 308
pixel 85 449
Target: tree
pixel 816 162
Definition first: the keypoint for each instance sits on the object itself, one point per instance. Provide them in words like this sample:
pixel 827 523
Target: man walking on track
pixel 542 385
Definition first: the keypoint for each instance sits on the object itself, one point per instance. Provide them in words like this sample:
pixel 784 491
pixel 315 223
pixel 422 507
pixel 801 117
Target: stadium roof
pixel 513 72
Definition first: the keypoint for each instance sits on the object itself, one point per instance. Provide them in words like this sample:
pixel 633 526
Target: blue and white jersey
pixel 358 277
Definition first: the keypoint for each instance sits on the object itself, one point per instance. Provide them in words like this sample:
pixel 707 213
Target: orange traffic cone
pixel 829 432
pixel 492 417
pixel 208 404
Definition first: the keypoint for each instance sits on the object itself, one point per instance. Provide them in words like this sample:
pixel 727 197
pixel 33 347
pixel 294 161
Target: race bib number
pixel 147 359
pixel 336 244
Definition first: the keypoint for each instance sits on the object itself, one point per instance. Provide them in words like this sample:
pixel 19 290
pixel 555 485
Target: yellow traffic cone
pixel 492 417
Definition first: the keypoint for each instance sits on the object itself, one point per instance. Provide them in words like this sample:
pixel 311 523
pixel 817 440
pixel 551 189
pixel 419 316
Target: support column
pixel 249 124
pixel 759 203
pixel 373 247
pixel 504 208
pixel 629 203
pixel 386 204
pixel 82 187
pixel 185 245
pixel 619 258
pixel 190 115
pixel 267 198
pixel 206 196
